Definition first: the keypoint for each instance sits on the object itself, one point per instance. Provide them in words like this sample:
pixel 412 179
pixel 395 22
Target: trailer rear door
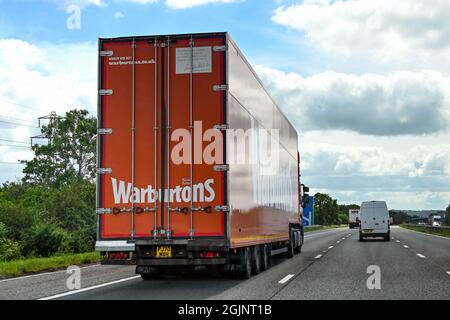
pixel 153 111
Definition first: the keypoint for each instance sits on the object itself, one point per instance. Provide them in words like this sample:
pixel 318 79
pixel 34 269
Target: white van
pixel 374 217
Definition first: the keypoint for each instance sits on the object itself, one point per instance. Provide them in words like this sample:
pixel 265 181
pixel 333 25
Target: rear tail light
pixel 118 255
pixel 209 254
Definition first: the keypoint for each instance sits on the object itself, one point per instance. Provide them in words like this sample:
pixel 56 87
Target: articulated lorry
pixel 197 166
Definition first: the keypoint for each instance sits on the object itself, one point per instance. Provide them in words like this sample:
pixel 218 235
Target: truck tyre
pixel 265 261
pixel 153 274
pixel 246 263
pixel 148 276
pixel 361 238
pixel 256 269
pixel 290 253
pixel 300 245
pixel 387 237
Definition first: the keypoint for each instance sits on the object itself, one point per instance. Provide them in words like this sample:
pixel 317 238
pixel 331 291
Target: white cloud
pixel 417 178
pixel 81 3
pixel 174 4
pixel 183 4
pixel 400 32
pixel 396 104
pixel 40 79
pixel 119 15
pixel 320 159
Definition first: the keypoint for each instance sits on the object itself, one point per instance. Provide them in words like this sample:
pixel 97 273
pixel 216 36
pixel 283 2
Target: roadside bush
pixel 9 249
pixel 343 218
pixel 47 239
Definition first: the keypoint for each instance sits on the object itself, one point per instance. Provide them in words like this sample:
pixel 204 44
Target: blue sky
pixel 248 22
pixel 365 82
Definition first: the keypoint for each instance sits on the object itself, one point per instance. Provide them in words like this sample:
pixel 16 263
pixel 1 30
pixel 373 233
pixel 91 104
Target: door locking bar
pixel 207 209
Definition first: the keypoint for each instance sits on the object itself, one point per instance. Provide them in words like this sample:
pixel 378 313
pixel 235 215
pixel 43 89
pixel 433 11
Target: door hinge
pixel 104 170
pixel 104 131
pixel 222 126
pixel 222 167
pixel 104 211
pixel 105 92
pixel 220 48
pixel 222 208
pixel 220 87
pixel 106 53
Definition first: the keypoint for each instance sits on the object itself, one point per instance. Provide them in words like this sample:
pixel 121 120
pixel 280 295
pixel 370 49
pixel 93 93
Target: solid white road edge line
pixel 286 279
pixel 44 274
pixel 88 288
pixel 318 256
pixel 420 255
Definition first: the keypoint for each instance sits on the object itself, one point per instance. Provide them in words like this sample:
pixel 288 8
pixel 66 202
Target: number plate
pixel 367 230
pixel 164 252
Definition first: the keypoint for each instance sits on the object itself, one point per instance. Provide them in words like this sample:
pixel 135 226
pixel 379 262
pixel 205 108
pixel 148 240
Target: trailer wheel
pixel 246 263
pixel 256 260
pixel 291 247
pixel 153 274
pixel 265 257
pixel 300 245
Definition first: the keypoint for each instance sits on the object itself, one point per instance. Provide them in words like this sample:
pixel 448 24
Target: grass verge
pixel 20 267
pixel 444 232
pixel 315 228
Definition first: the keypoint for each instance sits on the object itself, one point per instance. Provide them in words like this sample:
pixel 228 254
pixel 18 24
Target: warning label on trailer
pixel 125 61
pixel 202 60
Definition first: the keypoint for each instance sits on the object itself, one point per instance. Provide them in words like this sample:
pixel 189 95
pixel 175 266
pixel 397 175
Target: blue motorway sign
pixel 308 213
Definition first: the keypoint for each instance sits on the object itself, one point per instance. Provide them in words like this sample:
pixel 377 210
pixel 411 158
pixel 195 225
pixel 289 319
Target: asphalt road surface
pixel 333 265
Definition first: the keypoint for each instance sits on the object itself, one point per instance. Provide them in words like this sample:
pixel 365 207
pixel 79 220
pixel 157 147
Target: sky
pixel 365 82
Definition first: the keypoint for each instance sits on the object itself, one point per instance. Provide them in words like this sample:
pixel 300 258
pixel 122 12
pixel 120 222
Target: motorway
pixel 333 265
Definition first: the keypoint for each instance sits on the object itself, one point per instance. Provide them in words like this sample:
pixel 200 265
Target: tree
pixel 326 210
pixel 400 217
pixel 69 154
pixel 447 216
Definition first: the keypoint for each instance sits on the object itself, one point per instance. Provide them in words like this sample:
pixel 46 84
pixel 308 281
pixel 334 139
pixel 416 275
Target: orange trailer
pixel 197 166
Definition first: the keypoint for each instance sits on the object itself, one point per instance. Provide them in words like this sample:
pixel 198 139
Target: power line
pixel 24 106
pixel 17 124
pixel 14 146
pixel 15 141
pixel 7 163
pixel 13 118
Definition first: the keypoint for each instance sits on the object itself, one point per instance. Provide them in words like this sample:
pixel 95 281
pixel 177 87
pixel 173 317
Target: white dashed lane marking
pixel 330 247
pixel 421 256
pixel 318 256
pixel 286 279
pixel 405 246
